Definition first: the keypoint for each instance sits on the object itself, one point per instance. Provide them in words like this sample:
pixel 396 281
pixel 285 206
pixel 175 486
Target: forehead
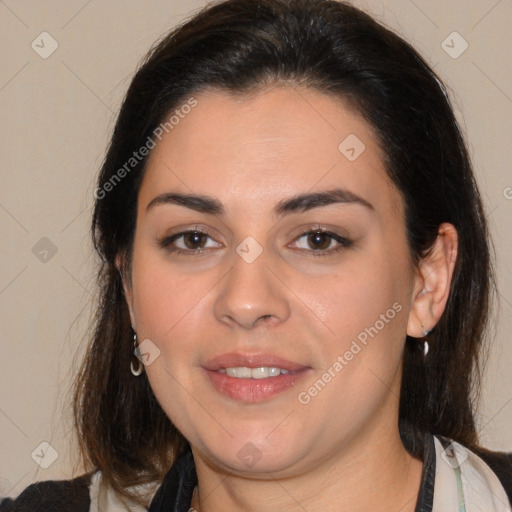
pixel 266 145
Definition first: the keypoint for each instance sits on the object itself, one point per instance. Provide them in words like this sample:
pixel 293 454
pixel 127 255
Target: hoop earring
pixel 425 341
pixel 138 368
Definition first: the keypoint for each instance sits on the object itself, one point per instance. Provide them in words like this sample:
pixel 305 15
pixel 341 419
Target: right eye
pixel 189 243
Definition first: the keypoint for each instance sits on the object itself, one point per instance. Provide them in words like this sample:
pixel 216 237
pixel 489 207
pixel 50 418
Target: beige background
pixel 57 114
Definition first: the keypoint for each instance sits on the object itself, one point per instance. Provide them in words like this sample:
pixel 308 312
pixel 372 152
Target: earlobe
pixel 432 282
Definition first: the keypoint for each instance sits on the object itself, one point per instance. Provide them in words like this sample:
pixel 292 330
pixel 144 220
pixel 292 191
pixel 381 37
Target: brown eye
pixel 319 240
pixel 194 240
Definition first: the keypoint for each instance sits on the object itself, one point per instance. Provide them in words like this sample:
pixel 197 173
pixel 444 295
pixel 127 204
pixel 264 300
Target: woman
pixel 296 279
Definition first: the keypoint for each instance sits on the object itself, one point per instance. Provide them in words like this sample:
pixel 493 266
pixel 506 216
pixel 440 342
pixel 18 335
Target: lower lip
pixel 254 390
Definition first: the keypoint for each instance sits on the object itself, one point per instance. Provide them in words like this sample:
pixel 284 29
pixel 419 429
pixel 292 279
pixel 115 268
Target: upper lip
pixel 256 360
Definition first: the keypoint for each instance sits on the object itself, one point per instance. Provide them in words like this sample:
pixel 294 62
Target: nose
pixel 252 295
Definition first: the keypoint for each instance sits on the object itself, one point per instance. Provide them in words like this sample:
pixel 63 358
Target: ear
pixel 121 267
pixel 432 282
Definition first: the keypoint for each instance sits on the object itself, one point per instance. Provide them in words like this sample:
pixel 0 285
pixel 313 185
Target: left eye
pixel 321 241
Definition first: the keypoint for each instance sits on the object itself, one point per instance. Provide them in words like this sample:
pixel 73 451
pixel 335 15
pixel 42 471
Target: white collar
pixel 465 483
pixel 104 499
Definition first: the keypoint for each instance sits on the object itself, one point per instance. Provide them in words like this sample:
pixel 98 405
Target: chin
pixel 255 453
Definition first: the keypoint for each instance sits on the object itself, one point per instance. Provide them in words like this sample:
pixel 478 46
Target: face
pixel 272 278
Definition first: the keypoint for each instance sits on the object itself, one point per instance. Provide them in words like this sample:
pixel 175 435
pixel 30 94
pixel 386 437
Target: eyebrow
pixel 297 203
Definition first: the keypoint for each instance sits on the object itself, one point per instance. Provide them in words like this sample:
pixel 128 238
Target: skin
pixel 342 449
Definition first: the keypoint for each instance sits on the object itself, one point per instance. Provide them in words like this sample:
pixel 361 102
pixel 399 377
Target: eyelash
pixel 167 241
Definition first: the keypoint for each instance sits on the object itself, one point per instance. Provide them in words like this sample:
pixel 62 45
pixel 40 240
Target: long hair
pixel 332 47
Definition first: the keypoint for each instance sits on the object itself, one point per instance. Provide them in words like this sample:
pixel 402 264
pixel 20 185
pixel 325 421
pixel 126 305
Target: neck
pixel 375 473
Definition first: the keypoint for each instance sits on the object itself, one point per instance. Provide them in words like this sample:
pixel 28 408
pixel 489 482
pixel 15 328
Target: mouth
pixel 253 378
pixel 261 372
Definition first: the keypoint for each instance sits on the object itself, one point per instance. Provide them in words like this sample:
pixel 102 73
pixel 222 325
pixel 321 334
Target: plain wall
pixel 57 115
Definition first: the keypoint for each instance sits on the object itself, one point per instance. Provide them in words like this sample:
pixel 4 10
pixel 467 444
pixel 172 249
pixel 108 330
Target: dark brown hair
pixel 332 47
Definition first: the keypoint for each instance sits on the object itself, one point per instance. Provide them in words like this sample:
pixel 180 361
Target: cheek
pixel 173 310
pixel 162 296
pixel 364 309
pixel 167 305
pixel 353 299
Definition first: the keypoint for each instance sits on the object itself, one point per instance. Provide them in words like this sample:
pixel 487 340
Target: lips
pixel 251 361
pixel 247 377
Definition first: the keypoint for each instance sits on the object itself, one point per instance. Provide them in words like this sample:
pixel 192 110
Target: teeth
pixel 242 372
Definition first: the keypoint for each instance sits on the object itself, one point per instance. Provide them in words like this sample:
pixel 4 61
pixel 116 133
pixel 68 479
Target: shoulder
pixel 52 496
pixel 501 464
